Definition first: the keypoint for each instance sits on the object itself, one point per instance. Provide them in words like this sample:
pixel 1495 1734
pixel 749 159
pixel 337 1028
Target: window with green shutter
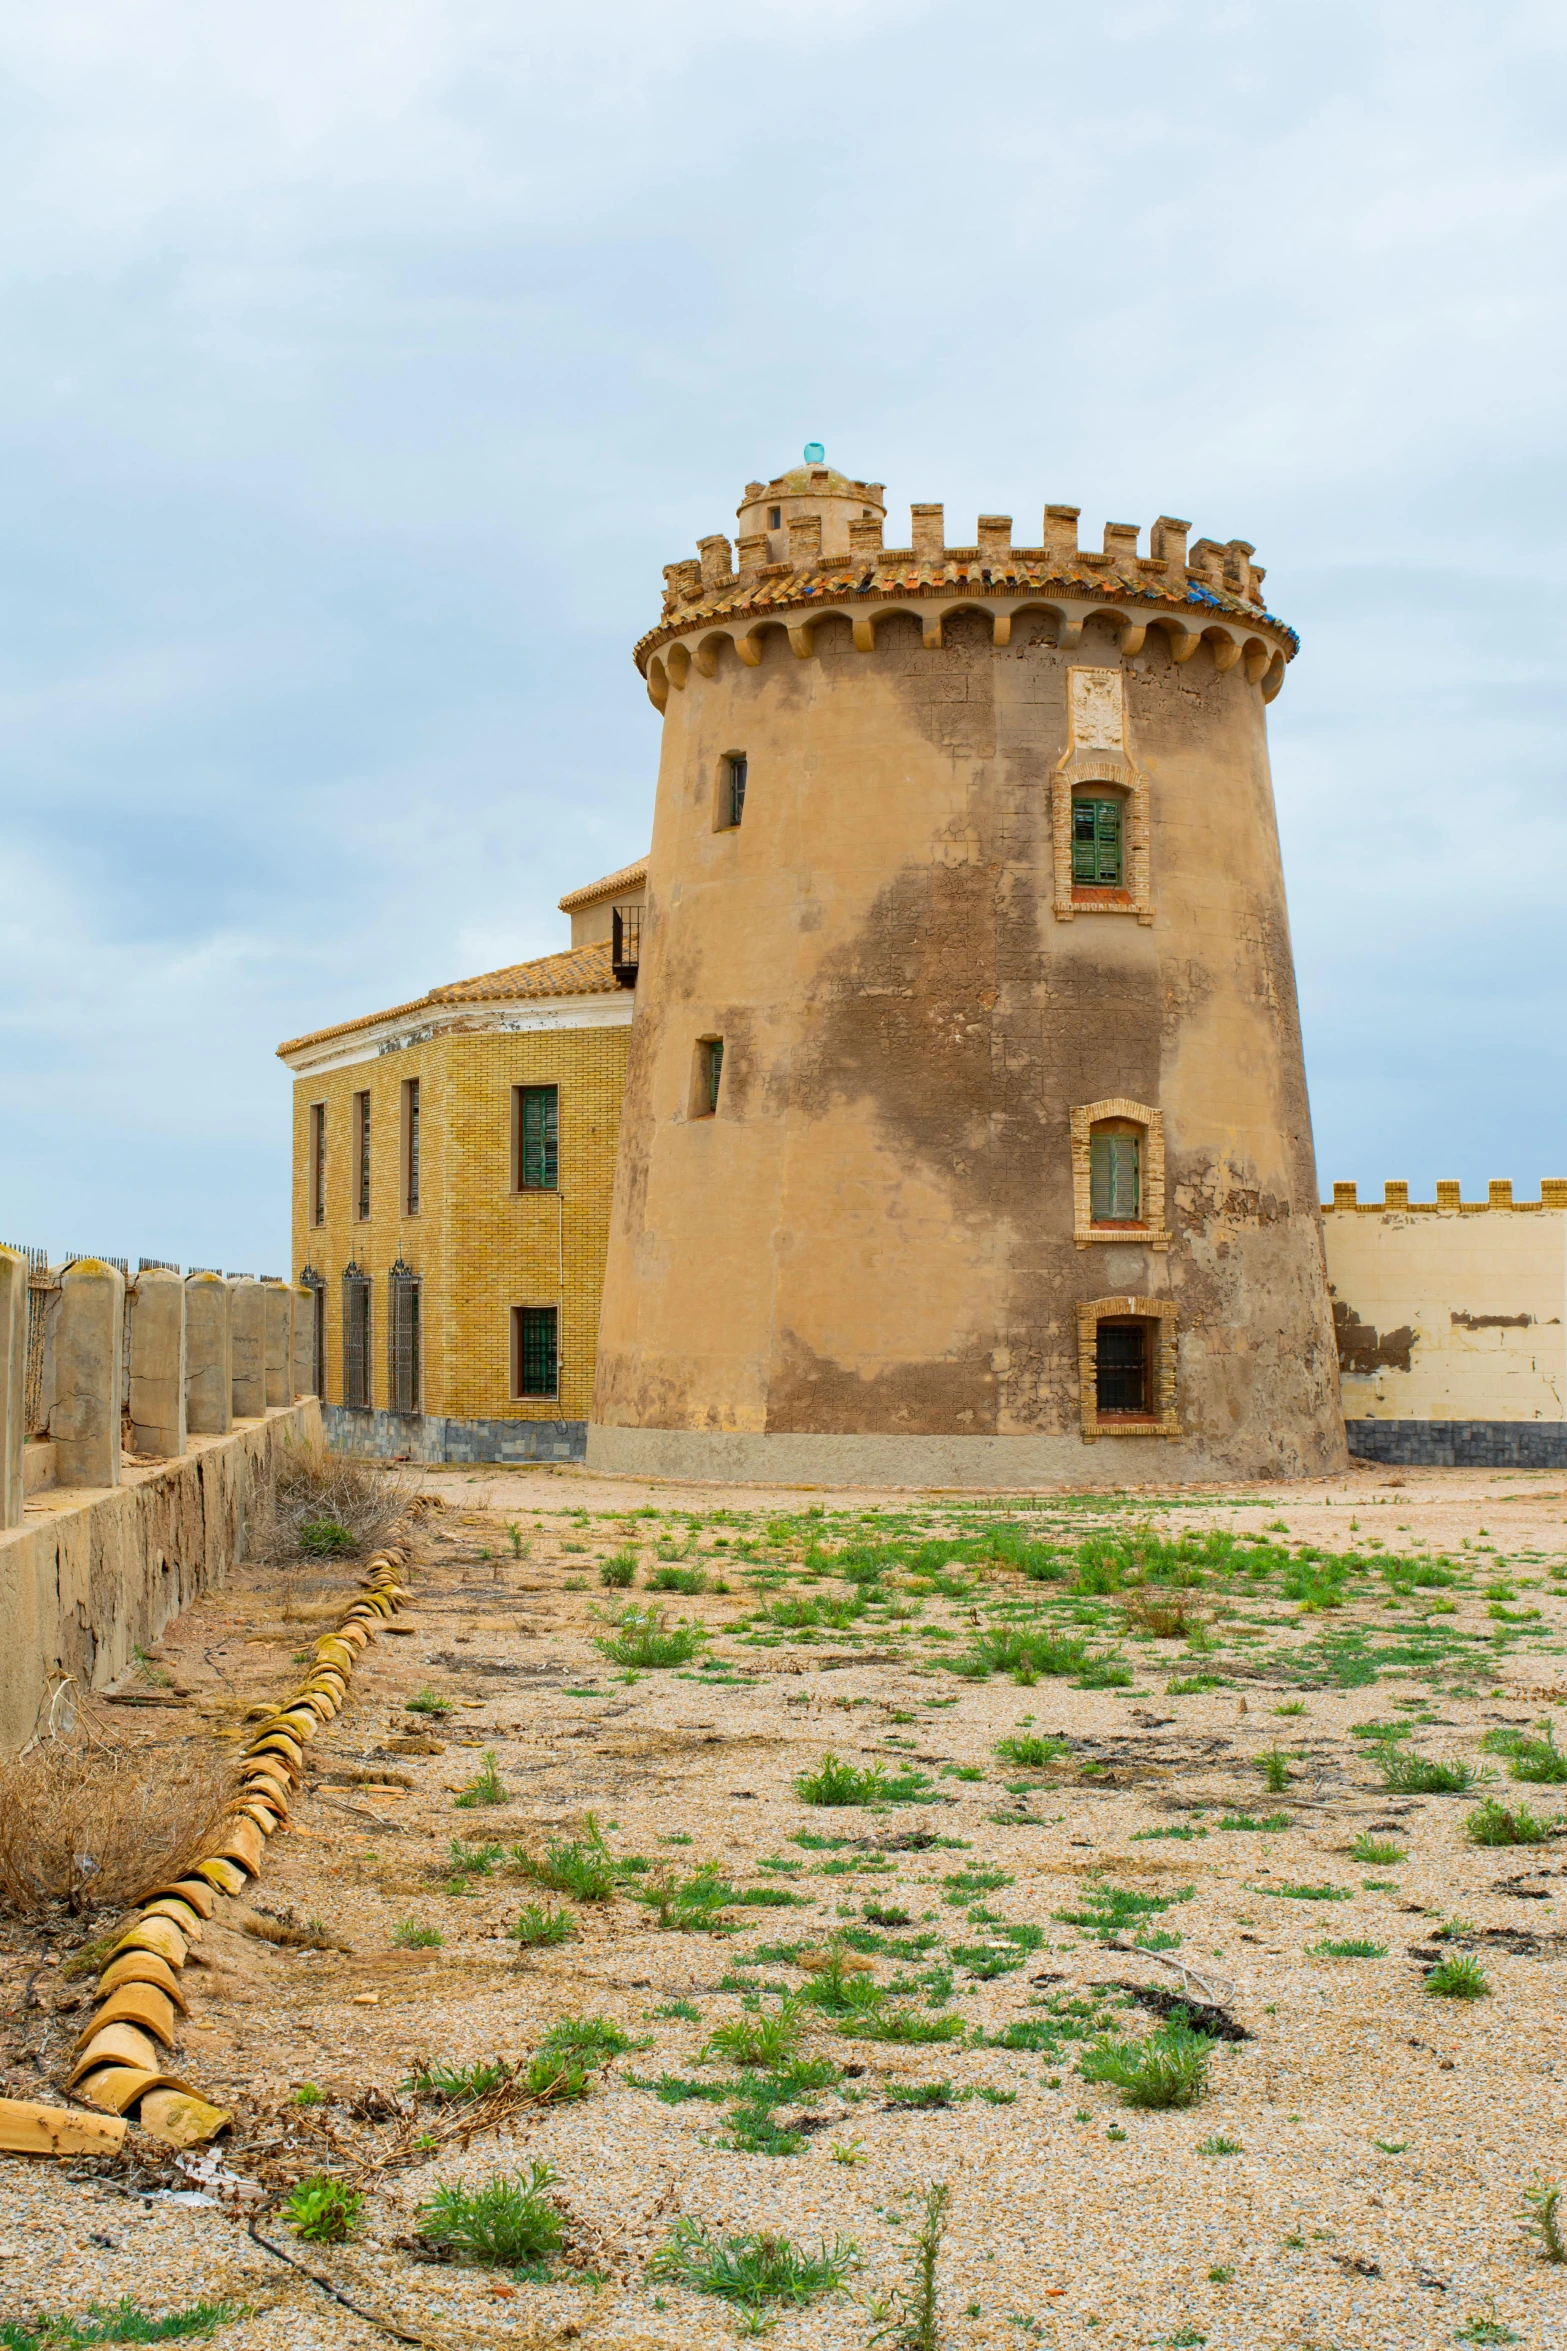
pixel 1115 1174
pixel 1096 841
pixel 538 1152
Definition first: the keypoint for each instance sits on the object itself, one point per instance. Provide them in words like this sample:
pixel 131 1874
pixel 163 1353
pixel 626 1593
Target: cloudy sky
pixel 362 361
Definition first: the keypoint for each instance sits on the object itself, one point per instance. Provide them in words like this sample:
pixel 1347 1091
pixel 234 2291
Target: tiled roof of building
pixel 630 877
pixel 577 971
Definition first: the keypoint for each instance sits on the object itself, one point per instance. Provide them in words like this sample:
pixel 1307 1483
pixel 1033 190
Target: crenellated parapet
pixel 810 545
pixel 1449 1201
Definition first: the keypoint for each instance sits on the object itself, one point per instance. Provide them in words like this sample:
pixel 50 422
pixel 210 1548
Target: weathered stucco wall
pixel 874 1236
pixel 1450 1314
pixel 92 1575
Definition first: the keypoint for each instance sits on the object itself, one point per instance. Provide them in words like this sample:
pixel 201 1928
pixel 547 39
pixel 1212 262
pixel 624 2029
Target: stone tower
pixel 966 1138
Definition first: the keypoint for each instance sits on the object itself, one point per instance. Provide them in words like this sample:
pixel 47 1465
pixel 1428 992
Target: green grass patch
pixel 510 2222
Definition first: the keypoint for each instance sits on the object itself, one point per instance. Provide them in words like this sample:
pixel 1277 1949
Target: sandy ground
pixel 1382 2138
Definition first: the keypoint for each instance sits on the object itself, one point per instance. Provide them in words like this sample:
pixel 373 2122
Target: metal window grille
pixel 1114 1178
pixel 411 1089
pixel 315 1283
pixel 39 1287
pixel 538 1360
pixel 1096 841
pixel 356 1335
pixel 737 772
pixel 1121 1366
pixel 363 1103
pixel 712 1071
pixel 403 1337
pixel 540 1138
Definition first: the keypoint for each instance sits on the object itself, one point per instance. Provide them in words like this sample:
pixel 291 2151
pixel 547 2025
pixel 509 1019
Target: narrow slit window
pixel 710 1073
pixel 734 787
pixel 1123 1381
pixel 410 1142
pixel 535 1351
pixel 538 1138
pixel 362 1137
pixel 1115 1174
pixel 318 1163
pixel 1097 841
pixel 775 518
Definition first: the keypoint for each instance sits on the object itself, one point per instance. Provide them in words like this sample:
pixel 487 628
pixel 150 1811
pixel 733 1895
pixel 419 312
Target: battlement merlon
pixel 811 541
pixel 1449 1201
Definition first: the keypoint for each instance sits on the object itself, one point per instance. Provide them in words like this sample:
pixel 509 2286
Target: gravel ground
pixel 1382 2138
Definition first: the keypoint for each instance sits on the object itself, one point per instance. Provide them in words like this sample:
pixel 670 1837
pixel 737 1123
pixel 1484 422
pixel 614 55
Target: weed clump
pixel 327 1505
pixel 836 1783
pixel 1030 1753
pixel 583 1868
pixel 914 2322
pixel 618 1572
pixel 486 1786
pixel 1541 2218
pixel 125 2323
pixel 642 1639
pixel 509 2221
pixel 1502 1824
pixel 324 2211
pixel 1458 1978
pixel 752 2271
pixel 409 1935
pixel 535 1926
pixel 1423 1775
pixel 1348 1947
pixel 1170 2068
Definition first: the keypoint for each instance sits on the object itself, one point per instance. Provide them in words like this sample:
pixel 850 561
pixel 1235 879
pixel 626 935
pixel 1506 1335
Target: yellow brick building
pixel 453 1164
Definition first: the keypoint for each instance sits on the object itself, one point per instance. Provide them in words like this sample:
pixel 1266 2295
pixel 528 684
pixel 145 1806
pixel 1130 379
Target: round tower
pixel 966 1138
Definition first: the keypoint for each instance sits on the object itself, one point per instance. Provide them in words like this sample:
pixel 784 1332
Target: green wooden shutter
pixel 1114 1179
pixel 540 1138
pixel 1096 842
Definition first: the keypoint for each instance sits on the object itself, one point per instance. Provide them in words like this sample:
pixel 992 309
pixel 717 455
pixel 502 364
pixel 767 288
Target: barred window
pixel 410 1142
pixel 537 1125
pixel 535 1351
pixel 735 766
pixel 403 1338
pixel 356 1336
pixel 709 1076
pixel 1123 1368
pixel 315 1283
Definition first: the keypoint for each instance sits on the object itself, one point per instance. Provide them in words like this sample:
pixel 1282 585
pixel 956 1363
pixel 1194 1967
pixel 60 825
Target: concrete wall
pixel 431 1437
pixel 1452 1314
pixel 90 1575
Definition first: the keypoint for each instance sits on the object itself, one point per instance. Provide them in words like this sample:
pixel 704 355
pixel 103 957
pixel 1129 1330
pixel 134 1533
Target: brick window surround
pixel 1150 1230
pixel 1162 1421
pixel 1097 753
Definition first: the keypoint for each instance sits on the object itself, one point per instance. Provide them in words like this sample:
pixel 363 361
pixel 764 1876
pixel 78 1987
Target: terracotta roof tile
pixel 630 877
pixel 577 971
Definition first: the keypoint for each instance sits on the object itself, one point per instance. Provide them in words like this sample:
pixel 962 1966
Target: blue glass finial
pixel 814 453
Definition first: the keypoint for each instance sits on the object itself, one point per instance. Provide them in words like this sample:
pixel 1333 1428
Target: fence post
pixel 303 1368
pixel 89 1343
pixel 278 1312
pixel 209 1356
pixel 249 1305
pixel 13 1383
pixel 156 1399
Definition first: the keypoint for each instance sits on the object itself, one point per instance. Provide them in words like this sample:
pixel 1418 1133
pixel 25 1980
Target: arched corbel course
pixel 1226 649
pixel 658 685
pixel 706 654
pixel 1273 677
pixel 802 639
pixel 678 663
pixel 1258 656
pixel 749 648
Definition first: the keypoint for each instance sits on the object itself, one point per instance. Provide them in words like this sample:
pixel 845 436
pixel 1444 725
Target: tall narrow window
pixel 774 517
pixel 536 1138
pixel 1115 1173
pixel 356 1336
pixel 625 944
pixel 736 765
pixel 1096 841
pixel 362 1151
pixel 708 1077
pixel 403 1338
pixel 1123 1383
pixel 318 1163
pixel 535 1351
pixel 410 1144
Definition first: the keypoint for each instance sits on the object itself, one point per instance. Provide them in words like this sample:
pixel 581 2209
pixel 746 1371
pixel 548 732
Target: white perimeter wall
pixel 1431 1271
